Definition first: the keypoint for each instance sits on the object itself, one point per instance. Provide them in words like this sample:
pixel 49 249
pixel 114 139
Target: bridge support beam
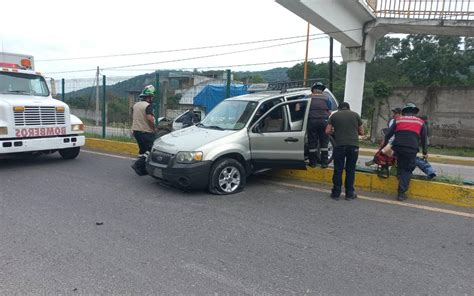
pixel 356 59
pixel 354 89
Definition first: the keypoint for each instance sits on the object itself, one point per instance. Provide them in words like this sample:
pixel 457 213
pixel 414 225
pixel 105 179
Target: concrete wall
pixel 450 112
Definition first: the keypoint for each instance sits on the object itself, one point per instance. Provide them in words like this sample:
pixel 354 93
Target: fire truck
pixel 31 121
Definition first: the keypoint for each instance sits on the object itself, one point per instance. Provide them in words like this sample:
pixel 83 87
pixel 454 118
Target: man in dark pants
pixel 143 125
pixel 408 130
pixel 346 126
pixel 318 117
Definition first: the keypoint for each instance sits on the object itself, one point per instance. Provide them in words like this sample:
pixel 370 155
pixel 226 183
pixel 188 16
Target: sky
pixel 52 29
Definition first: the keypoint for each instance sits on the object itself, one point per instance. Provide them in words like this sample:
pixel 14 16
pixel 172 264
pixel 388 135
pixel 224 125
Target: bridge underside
pixel 354 23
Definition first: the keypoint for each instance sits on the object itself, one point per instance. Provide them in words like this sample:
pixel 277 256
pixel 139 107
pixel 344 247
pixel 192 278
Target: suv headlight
pixel 188 156
pixel 77 127
pixel 3 130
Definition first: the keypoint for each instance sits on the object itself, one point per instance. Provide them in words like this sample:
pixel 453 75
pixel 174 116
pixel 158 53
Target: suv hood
pixel 189 139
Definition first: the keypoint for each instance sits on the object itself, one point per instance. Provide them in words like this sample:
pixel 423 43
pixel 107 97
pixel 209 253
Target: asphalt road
pixel 91 226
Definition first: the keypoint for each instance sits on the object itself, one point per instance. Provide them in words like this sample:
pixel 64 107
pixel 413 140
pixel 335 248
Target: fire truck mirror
pixel 53 87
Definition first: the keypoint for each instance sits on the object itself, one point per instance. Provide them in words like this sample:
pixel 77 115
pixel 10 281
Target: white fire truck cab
pixel 31 121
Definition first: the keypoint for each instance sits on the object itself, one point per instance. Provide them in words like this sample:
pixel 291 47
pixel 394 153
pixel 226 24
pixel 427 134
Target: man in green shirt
pixel 345 126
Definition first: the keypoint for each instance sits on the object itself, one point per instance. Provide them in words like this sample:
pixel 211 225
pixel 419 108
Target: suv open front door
pixel 275 142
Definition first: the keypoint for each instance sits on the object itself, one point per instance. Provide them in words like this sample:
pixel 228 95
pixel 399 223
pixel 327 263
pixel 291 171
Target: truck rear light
pixel 18 109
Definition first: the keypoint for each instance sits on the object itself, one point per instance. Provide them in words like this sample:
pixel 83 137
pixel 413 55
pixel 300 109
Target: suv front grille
pixel 161 157
pixel 39 115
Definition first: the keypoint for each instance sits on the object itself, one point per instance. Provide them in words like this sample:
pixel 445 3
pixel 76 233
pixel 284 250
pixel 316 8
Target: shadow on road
pixel 25 161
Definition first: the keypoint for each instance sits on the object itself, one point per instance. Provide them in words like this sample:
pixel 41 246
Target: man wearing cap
pixel 319 112
pixel 143 125
pixel 409 130
pixel 396 112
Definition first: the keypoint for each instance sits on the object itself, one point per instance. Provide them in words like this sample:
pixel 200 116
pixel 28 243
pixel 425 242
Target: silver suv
pixel 239 136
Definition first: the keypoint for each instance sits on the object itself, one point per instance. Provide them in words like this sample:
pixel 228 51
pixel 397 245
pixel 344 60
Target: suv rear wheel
pixel 227 177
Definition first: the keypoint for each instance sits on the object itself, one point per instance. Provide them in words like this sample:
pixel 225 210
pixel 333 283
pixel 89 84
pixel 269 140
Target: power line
pixel 188 59
pixel 210 67
pixel 176 50
pixel 221 54
pixel 235 65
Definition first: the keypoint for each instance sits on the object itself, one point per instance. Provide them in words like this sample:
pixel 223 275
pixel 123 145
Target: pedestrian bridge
pixel 357 24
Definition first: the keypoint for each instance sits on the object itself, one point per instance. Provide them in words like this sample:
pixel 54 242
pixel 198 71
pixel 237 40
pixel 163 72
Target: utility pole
pixel 305 71
pixel 331 41
pixel 97 102
pixel 104 107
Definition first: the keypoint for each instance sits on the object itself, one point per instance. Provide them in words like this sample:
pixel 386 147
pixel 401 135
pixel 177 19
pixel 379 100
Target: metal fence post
pixel 227 93
pixel 156 99
pixel 63 91
pixel 104 124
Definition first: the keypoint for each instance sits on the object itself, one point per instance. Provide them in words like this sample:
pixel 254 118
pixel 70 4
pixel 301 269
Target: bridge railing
pixel 423 9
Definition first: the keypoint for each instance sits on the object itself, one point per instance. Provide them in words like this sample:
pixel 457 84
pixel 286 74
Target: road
pixel 91 226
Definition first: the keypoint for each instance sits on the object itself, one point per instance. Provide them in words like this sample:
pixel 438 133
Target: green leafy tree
pixel 433 60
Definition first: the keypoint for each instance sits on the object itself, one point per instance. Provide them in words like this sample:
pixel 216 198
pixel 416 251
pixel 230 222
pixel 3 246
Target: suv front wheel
pixel 227 177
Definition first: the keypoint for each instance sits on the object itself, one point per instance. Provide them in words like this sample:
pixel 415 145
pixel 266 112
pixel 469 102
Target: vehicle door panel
pixel 276 144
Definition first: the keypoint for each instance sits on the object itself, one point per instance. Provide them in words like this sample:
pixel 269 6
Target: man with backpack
pixel 409 130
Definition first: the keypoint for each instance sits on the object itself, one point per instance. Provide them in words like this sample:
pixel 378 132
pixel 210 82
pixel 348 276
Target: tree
pixel 433 60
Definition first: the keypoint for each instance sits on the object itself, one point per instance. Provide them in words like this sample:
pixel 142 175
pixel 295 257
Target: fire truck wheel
pixel 70 153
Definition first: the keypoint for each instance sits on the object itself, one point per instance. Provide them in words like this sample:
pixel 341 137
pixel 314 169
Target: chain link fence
pixel 85 97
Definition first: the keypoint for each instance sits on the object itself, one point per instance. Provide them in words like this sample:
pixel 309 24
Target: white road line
pixel 107 154
pixel 392 202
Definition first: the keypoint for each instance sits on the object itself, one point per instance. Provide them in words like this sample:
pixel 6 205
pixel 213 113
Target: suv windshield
pixel 23 84
pixel 229 115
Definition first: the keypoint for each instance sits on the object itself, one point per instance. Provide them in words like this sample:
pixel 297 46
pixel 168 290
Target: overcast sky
pixel 53 29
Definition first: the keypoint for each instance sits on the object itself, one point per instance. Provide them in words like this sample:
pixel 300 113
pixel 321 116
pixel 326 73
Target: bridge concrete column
pixel 356 59
pixel 354 89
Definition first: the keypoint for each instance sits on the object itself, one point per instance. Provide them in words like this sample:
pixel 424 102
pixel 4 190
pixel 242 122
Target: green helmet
pixel 148 91
pixel 410 108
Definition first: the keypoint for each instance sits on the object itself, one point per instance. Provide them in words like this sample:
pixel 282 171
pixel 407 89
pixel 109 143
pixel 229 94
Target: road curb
pixel 112 146
pixel 457 195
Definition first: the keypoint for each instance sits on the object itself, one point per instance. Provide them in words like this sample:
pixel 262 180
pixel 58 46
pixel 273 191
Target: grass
pixel 463 152
pixel 113 138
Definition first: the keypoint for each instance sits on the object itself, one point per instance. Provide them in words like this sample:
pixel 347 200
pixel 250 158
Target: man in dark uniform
pixel 346 125
pixel 408 130
pixel 318 118
pixel 143 125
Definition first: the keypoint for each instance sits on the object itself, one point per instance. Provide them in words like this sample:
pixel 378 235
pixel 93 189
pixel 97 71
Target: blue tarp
pixel 213 94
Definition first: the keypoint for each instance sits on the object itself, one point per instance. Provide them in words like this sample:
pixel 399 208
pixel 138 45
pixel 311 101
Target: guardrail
pixel 423 9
